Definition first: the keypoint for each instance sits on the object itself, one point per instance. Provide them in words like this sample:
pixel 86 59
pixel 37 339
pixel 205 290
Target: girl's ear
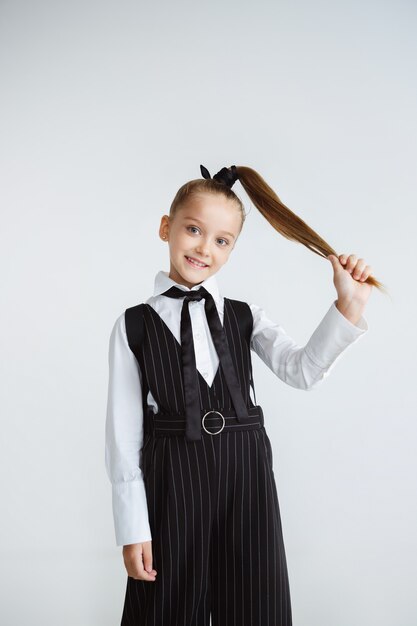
pixel 164 227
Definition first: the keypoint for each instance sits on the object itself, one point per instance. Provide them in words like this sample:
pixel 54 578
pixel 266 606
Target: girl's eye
pixel 226 243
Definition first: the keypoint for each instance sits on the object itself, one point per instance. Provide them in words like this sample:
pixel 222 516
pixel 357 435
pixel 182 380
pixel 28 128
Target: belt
pixel 213 422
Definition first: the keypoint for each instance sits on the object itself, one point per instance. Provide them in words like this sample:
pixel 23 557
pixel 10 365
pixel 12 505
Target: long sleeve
pixel 123 440
pixel 304 367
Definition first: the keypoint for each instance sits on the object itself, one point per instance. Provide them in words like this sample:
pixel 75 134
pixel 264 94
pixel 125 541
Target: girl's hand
pixel 138 561
pixel 349 278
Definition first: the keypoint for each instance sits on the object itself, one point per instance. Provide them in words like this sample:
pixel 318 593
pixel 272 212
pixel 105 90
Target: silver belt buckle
pixel 207 431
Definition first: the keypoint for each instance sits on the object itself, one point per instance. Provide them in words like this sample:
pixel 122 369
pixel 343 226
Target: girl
pixel 194 497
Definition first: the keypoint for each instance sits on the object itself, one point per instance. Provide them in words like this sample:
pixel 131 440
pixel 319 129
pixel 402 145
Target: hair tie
pixel 225 176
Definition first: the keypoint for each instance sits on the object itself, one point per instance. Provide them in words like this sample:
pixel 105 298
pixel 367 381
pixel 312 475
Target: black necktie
pixel 191 390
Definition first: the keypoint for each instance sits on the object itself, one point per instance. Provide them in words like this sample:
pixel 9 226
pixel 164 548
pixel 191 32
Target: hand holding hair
pixel 350 281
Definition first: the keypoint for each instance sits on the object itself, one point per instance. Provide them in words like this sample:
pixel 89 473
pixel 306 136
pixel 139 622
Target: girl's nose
pixel 203 249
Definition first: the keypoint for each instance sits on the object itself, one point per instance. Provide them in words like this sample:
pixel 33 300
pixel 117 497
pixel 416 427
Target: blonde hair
pixel 281 218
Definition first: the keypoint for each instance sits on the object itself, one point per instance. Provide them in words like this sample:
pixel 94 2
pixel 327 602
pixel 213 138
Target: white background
pixel 107 108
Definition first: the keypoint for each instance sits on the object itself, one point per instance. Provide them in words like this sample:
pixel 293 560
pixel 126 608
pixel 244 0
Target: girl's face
pixel 206 230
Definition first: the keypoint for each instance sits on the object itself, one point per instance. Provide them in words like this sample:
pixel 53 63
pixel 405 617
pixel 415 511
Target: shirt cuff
pixel 333 335
pixel 130 513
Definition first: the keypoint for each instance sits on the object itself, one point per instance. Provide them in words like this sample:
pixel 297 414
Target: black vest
pixel 159 356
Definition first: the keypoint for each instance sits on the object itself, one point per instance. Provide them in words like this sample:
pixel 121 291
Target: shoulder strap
pixel 245 321
pixel 134 328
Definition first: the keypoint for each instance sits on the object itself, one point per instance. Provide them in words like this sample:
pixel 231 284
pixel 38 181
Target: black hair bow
pixel 225 176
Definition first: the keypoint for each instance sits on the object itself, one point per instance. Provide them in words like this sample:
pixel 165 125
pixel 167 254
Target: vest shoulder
pixel 238 303
pixel 241 308
pixel 242 312
pixel 135 307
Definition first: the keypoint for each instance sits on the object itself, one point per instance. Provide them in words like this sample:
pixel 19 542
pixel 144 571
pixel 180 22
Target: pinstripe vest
pixel 159 356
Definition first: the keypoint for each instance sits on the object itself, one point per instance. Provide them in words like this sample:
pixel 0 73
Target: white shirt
pixel 303 367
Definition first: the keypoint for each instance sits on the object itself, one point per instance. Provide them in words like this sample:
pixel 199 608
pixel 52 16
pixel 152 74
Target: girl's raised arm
pixel 304 367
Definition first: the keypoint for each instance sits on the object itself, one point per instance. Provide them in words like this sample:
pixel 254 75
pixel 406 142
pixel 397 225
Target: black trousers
pixel 217 539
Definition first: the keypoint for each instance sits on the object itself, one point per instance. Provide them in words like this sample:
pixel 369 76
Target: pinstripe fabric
pixel 213 507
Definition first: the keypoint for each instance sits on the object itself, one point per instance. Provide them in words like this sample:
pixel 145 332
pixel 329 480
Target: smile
pixel 195 263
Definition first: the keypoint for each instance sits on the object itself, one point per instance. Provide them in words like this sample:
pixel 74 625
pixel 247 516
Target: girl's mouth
pixel 195 263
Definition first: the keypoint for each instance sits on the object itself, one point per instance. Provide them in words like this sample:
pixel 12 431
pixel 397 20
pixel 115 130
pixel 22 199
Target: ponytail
pixel 285 221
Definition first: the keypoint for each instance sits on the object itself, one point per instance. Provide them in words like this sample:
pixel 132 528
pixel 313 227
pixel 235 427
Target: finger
pixel 358 269
pixel 366 273
pixel 138 572
pixel 351 262
pixel 147 557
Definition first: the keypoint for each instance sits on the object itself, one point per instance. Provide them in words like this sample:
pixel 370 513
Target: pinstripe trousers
pixel 217 540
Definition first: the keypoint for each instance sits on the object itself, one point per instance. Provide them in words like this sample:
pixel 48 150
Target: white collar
pixel 163 282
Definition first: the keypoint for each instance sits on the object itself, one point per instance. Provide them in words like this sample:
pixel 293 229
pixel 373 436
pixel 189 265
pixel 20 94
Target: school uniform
pixel 209 505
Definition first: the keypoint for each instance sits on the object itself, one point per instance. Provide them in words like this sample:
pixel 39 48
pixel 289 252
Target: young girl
pixel 194 497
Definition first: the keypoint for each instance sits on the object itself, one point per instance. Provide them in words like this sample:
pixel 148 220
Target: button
pixel 205 374
pixel 197 336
